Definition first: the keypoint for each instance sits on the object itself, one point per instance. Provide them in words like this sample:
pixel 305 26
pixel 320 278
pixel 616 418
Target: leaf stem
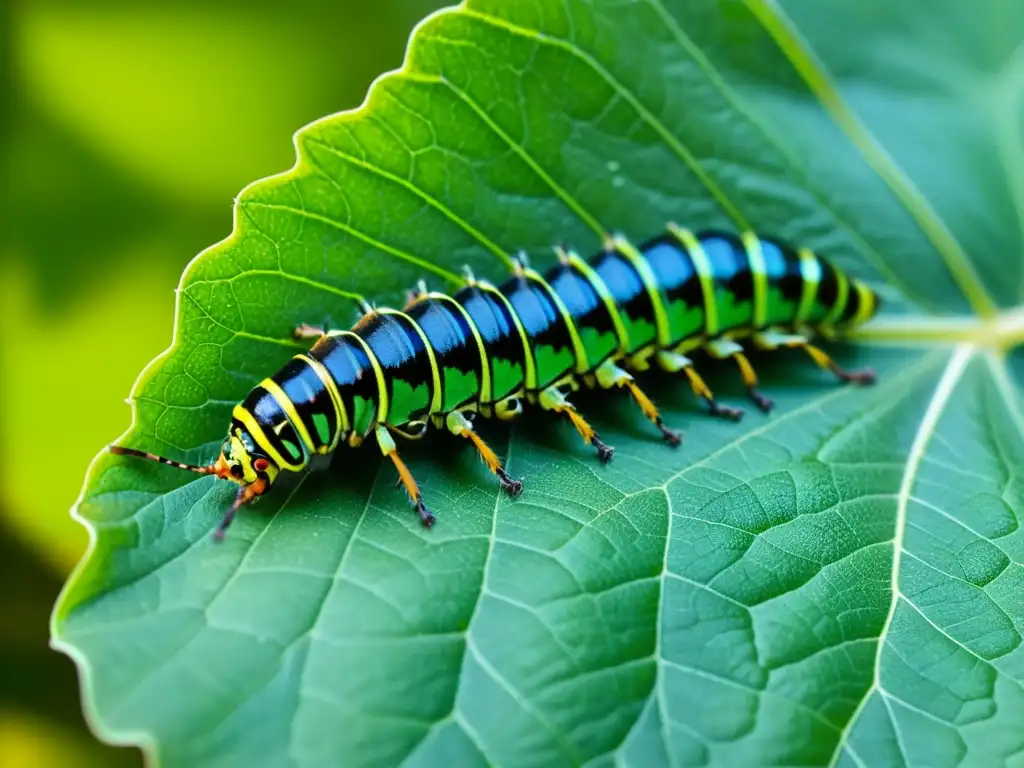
pixel 1001 332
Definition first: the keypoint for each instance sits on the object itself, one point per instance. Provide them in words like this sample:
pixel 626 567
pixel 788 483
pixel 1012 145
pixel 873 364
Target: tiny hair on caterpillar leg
pixel 487 350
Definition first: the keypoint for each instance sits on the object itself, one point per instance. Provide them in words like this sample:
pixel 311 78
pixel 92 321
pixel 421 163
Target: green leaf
pixel 837 583
pixel 103 197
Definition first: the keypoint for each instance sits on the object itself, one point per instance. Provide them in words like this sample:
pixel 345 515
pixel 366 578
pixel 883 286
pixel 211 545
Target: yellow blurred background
pixel 126 130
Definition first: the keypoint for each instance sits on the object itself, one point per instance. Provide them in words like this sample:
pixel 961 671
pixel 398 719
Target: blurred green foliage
pixel 126 131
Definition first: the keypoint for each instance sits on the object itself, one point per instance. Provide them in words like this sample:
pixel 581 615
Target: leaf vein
pixel 670 140
pixel 729 94
pixel 362 236
pixel 806 64
pixel 951 376
pixel 427 198
pixel 563 194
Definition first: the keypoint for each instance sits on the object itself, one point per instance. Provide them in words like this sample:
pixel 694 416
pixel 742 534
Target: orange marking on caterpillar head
pixel 221 468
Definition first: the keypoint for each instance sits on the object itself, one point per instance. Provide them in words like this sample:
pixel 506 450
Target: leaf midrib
pixel 658 694
pixel 814 73
pixel 872 253
pixel 807 65
pixel 958 363
pixel 929 423
pixel 999 333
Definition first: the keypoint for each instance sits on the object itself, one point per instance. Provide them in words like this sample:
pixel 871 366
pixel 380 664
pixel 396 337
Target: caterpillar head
pixel 240 461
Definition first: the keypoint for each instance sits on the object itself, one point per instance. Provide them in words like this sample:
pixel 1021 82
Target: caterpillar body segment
pixel 442 360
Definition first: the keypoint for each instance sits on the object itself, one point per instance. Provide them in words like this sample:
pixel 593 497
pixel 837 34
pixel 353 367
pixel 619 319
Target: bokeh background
pixel 126 129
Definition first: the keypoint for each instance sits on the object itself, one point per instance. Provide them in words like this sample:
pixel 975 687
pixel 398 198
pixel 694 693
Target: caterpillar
pixel 442 360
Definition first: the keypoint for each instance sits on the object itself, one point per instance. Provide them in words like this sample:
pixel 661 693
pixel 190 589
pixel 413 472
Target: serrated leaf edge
pixel 144 739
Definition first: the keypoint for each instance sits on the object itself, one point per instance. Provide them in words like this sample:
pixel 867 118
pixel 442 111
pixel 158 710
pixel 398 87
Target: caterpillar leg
pixel 720 349
pixel 771 341
pixel 306 331
pixel 552 399
pixel 414 294
pixel 245 496
pixel 673 362
pixel 387 447
pixel 460 426
pixel 610 375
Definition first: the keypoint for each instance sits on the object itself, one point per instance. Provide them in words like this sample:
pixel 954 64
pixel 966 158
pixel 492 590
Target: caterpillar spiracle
pixel 535 339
